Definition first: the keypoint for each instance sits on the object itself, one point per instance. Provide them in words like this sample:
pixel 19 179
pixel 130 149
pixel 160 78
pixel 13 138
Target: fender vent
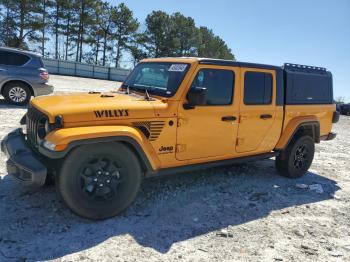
pixel 151 129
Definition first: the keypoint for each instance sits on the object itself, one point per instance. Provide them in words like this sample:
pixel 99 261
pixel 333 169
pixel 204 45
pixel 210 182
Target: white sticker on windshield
pixel 177 68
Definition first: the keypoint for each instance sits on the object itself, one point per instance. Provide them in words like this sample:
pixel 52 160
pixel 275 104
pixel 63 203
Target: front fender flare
pixel 68 138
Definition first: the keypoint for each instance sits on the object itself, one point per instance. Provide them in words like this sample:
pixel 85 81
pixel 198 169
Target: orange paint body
pixel 178 136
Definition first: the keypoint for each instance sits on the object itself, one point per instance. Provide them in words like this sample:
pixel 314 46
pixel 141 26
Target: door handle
pixel 266 116
pixel 1 69
pixel 229 118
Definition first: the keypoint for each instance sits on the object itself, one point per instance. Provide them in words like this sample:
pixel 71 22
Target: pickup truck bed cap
pixel 286 66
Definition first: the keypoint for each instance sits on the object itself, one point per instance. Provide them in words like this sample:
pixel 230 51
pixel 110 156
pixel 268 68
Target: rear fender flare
pixel 295 125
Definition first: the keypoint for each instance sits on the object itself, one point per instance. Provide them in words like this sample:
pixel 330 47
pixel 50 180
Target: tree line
pixel 94 31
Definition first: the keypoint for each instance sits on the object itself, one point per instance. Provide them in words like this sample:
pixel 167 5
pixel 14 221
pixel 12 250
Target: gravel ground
pixel 64 84
pixel 241 213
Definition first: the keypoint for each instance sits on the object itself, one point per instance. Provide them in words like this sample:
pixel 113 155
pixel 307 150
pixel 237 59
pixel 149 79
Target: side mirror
pixel 196 97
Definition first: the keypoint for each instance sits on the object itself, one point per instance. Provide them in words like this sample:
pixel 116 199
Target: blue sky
pixel 314 32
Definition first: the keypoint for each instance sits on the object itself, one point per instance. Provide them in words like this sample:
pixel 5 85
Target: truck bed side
pixel 308 101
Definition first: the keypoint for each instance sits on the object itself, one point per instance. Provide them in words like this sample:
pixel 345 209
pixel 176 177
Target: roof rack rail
pixel 304 68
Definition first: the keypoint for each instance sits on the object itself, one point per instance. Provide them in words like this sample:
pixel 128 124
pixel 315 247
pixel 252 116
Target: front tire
pixel 100 181
pixel 17 93
pixel 297 158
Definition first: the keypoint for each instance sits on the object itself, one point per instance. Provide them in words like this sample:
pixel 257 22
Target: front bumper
pixel 330 136
pixel 22 162
pixel 42 89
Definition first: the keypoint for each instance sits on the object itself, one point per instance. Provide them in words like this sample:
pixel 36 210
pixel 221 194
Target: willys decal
pixel 112 113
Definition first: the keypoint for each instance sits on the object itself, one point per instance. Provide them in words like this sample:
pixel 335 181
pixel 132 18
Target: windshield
pixel 158 78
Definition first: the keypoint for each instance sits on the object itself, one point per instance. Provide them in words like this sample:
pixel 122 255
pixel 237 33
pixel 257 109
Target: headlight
pixel 49 145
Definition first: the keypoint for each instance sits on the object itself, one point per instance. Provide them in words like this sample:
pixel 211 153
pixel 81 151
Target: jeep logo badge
pixel 112 113
pixel 166 149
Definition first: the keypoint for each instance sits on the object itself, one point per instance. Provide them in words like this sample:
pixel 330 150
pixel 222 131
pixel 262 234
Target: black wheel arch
pixel 128 141
pixel 311 129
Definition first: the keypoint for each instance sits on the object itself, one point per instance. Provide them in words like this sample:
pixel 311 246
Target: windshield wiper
pixel 145 89
pixel 127 91
pixel 147 96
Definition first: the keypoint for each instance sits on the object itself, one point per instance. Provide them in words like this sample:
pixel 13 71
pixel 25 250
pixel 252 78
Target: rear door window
pixel 3 58
pixel 13 59
pixel 17 59
pixel 257 88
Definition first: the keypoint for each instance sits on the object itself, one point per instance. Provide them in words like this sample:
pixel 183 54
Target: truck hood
pixel 85 107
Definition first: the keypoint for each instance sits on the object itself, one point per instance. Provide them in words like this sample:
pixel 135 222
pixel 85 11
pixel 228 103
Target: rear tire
pixel 99 181
pixel 297 158
pixel 17 93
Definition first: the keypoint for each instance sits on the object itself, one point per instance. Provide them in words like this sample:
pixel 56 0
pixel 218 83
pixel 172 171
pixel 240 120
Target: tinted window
pixel 219 84
pixel 3 58
pixel 17 59
pixel 309 87
pixel 257 88
pixel 10 58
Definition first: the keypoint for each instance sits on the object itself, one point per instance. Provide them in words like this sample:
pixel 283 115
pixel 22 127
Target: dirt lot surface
pixel 64 84
pixel 239 213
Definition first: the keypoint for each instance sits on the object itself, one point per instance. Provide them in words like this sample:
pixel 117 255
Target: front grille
pixel 35 119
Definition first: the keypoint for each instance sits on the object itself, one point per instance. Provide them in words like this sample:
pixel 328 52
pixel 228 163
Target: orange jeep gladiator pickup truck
pixel 171 115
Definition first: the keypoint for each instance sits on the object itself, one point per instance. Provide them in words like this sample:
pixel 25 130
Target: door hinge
pixel 239 141
pixel 181 122
pixel 180 148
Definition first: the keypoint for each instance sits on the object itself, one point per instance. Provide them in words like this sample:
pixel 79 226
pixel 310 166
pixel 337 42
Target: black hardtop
pixel 296 84
pixel 285 66
pixel 208 61
pixel 307 85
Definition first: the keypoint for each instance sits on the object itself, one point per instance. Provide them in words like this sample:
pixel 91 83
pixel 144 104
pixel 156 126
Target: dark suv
pixel 22 75
pixel 345 109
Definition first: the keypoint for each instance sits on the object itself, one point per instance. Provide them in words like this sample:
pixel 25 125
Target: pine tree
pixel 105 25
pixel 22 20
pixel 124 26
pixel 83 10
pixel 97 32
pixel 8 35
pixel 185 36
pixel 213 46
pixel 44 8
pixel 157 33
